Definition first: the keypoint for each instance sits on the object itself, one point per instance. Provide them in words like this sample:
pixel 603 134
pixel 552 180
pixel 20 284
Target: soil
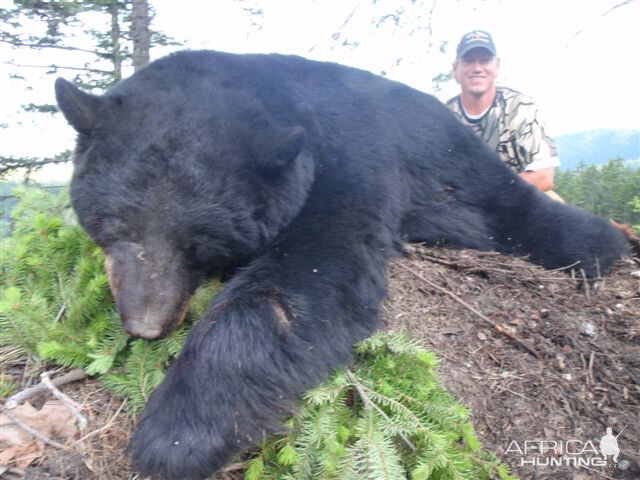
pixel 536 354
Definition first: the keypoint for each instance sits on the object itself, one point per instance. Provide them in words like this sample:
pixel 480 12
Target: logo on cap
pixel 482 36
pixel 475 39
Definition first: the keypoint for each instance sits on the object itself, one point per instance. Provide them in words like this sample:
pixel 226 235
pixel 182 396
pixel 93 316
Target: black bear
pixel 304 178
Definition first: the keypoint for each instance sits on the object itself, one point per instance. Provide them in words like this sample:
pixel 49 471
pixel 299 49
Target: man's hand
pixel 542 179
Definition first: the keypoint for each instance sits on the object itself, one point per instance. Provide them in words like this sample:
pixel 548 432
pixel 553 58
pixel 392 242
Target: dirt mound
pixel 537 355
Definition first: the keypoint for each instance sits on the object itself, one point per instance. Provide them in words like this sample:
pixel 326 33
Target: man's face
pixel 476 71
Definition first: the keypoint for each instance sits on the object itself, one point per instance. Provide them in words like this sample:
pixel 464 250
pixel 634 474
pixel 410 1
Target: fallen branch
pixel 498 327
pixel 72 406
pixel 18 398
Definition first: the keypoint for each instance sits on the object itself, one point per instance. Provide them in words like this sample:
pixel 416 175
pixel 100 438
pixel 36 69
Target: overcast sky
pixel 580 66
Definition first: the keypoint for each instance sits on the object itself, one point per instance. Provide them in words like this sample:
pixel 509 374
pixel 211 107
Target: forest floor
pixel 538 356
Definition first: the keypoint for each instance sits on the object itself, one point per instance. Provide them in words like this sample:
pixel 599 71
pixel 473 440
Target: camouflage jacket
pixel 512 127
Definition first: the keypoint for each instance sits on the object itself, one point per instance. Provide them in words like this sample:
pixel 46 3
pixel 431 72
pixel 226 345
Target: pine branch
pixel 20 44
pixel 369 404
pixel 9 164
pixel 55 68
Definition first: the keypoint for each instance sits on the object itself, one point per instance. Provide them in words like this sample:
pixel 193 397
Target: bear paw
pixel 175 440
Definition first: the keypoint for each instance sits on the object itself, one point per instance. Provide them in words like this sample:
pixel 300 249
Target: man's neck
pixel 477 104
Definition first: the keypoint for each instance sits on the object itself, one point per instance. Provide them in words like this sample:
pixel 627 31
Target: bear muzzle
pixel 151 288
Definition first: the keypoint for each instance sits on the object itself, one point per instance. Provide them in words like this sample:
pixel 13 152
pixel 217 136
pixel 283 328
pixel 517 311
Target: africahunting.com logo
pixel 572 452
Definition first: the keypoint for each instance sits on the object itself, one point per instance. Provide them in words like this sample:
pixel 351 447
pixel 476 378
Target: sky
pixel 580 66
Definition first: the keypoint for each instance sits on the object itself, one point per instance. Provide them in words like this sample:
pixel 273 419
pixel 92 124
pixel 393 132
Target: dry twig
pixel 498 327
pixel 18 398
pixel 72 406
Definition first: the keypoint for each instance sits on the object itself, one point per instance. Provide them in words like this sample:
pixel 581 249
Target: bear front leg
pixel 554 234
pixel 276 330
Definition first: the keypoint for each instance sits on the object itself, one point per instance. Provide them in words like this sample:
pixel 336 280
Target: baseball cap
pixel 475 39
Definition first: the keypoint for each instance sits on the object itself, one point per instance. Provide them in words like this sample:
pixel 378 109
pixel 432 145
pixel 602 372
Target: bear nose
pixel 142 328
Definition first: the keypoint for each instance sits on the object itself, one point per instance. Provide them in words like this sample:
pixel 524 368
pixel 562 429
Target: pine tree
pixel 120 37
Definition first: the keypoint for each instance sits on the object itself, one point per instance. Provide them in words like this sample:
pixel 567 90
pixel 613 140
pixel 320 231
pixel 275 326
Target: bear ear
pixel 79 108
pixel 281 153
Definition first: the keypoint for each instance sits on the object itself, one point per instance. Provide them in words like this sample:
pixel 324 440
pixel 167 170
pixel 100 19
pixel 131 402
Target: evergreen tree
pixel 140 34
pixel 607 190
pixel 635 206
pixel 95 56
pixel 121 26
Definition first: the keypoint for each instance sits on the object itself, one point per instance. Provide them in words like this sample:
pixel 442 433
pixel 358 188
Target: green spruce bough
pixel 387 417
pixel 55 301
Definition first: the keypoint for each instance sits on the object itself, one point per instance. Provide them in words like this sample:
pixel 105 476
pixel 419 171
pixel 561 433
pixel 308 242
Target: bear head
pixel 178 181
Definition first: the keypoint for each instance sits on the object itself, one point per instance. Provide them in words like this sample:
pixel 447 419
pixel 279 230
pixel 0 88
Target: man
pixel 506 119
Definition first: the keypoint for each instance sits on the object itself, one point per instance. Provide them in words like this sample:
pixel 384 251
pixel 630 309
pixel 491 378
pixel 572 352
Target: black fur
pixel 309 176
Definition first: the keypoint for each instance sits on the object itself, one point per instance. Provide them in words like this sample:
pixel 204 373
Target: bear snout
pixel 151 287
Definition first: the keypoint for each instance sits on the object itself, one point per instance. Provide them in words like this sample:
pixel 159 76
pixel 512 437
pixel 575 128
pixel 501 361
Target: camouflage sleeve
pixel 453 104
pixel 535 148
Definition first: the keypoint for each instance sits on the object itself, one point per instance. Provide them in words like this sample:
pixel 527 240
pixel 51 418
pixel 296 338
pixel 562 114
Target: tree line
pixel 611 190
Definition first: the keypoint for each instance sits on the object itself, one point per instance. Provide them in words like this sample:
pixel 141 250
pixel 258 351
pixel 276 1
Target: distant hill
pixel 598 146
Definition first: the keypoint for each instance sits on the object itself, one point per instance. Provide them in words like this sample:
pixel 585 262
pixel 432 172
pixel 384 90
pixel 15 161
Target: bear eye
pixel 111 229
pixel 199 250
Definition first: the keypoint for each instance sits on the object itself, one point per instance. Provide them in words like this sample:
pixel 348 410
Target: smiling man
pixel 505 119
